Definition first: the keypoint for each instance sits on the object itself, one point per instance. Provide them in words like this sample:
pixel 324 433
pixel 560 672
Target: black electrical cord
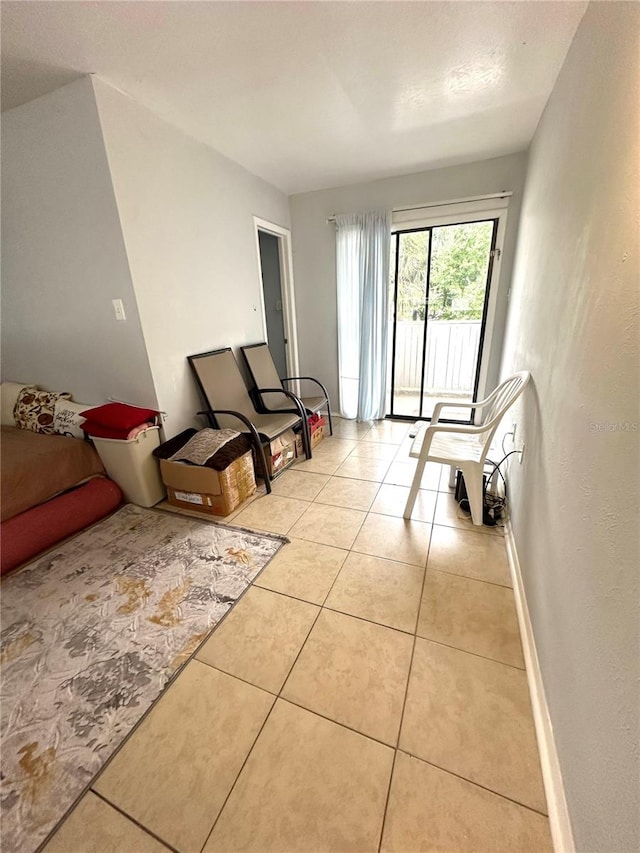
pixel 491 462
pixel 504 458
pixel 496 467
pixel 493 503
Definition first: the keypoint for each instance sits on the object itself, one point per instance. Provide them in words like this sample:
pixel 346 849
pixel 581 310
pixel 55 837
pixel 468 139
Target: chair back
pixel 504 397
pixel 265 375
pixel 222 386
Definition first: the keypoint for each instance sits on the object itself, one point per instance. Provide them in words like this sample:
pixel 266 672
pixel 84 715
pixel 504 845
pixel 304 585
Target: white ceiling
pixel 309 94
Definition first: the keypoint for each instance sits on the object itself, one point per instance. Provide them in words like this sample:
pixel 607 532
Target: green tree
pixel 459 264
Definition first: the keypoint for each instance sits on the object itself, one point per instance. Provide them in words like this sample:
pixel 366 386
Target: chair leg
pixel 473 482
pixel 306 438
pixel 452 476
pixel 329 417
pixel 263 462
pixel 415 485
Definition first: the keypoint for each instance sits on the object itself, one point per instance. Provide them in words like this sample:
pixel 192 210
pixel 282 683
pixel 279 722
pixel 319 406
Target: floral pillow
pixel 35 409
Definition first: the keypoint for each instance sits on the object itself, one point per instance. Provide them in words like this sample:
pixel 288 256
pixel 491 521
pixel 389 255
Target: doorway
pixel 439 297
pixel 277 295
pixel 272 299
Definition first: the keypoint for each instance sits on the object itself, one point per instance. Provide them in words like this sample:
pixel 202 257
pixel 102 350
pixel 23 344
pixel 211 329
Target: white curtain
pixel 363 244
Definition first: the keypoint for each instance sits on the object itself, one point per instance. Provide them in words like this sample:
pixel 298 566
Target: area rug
pixel 91 634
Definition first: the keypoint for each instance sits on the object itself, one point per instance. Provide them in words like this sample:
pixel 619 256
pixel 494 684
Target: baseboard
pixel 559 821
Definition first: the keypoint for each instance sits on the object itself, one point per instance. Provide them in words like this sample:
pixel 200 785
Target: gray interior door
pixel 272 289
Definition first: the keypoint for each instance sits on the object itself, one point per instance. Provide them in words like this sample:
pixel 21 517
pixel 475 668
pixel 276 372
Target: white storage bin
pixel 131 464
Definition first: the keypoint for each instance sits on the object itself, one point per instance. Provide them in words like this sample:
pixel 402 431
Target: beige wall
pixel 573 323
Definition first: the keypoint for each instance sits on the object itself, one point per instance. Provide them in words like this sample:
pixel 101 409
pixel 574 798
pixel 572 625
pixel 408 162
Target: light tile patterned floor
pixel 366 694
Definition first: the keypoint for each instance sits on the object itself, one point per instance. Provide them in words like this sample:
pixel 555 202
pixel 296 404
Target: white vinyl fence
pixel 452 348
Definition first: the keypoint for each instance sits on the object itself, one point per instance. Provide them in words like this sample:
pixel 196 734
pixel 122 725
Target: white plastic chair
pixel 463 446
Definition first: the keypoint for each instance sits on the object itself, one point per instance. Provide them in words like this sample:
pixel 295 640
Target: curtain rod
pixel 504 194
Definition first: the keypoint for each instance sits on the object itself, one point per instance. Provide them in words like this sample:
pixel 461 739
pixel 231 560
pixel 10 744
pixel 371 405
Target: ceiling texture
pixel 309 95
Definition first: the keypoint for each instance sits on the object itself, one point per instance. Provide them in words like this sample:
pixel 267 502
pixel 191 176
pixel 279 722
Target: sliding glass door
pixel 439 292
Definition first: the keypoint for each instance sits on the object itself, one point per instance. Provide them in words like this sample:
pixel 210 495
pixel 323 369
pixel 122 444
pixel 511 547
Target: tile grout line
pixel 336 722
pixel 89 787
pixel 324 606
pixel 457 648
pixel 320 609
pixel 242 766
pixel 172 679
pixel 474 783
pixel 342 725
pixel 369 621
pixel 473 654
pixel 278 696
pixel 406 694
pixel 470 578
pixel 415 637
pixel 179 670
pixel 218 668
pixel 135 821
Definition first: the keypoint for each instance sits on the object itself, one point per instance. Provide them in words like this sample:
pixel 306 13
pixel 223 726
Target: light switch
pixel 118 309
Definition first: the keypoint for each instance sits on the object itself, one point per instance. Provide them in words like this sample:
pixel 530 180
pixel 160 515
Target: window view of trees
pixel 459 264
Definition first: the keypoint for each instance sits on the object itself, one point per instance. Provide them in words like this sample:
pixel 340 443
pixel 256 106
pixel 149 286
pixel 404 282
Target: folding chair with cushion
pixel 463 446
pixel 269 385
pixel 229 403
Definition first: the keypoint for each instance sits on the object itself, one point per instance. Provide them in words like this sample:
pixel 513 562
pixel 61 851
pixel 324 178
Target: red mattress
pixel 37 529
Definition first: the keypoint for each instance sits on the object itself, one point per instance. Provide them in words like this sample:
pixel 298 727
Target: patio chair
pixel 229 405
pixel 269 385
pixel 462 446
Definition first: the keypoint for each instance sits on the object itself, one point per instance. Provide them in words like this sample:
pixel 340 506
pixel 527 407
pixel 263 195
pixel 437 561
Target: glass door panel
pixel 460 257
pixel 439 296
pixel 409 298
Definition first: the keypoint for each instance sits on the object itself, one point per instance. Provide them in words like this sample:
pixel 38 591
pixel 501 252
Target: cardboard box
pixel 214 492
pixel 279 453
pixel 317 430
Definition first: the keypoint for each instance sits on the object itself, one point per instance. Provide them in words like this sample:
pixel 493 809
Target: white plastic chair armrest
pixel 465 429
pixel 479 404
pixel 444 405
pixel 432 429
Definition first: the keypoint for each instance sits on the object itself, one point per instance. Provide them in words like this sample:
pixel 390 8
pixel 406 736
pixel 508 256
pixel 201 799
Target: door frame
pixel 457 213
pixel 287 290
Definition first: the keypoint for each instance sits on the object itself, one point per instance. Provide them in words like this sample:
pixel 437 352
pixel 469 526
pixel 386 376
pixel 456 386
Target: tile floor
pixel 367 693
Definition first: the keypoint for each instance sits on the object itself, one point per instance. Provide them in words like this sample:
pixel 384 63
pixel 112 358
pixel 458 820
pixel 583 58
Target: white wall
pixel 187 219
pixel 314 255
pixel 573 323
pixel 63 258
